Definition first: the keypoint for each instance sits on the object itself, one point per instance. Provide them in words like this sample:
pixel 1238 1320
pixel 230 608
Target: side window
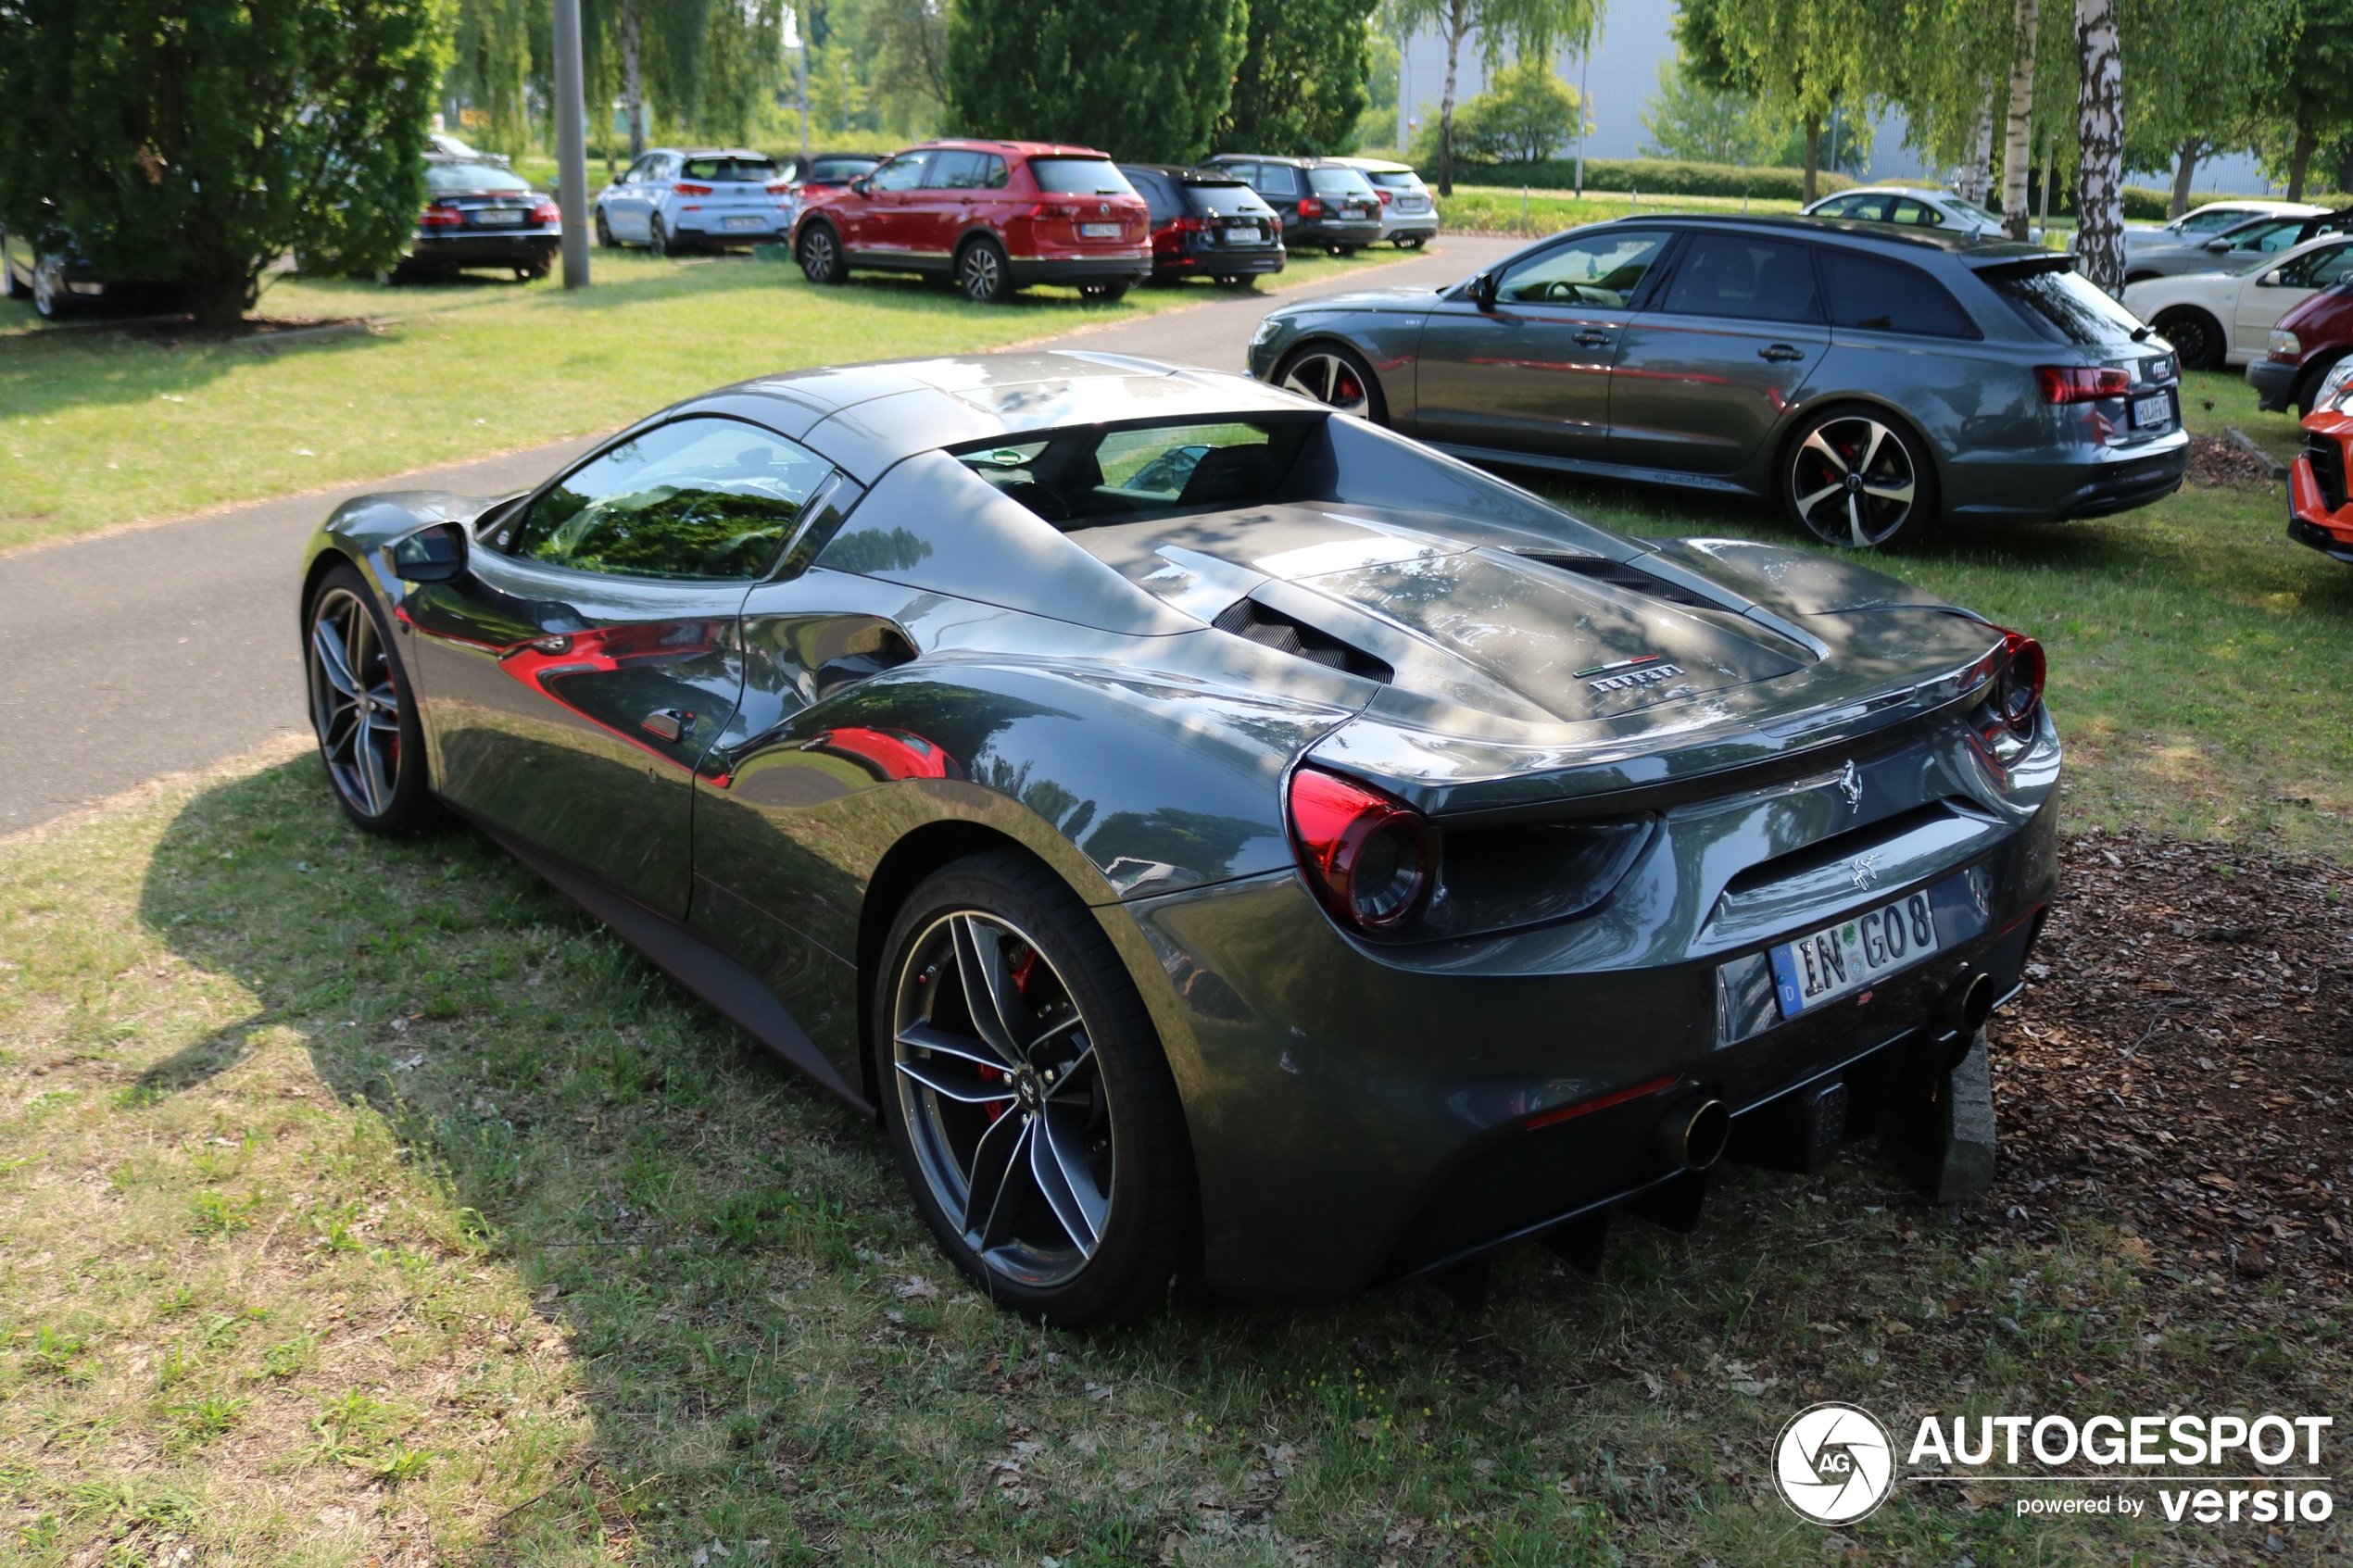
pixel 904 173
pixel 994 174
pixel 1878 295
pixel 1278 179
pixel 1744 277
pixel 696 498
pixel 642 170
pixel 1910 211
pixel 1606 270
pixel 2333 266
pixel 1838 207
pixel 956 170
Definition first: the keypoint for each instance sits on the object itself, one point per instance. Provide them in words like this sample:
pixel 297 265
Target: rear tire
pixel 820 254
pixel 658 236
pixel 604 231
pixel 362 710
pixel 984 273
pixel 2195 336
pixel 1028 1097
pixel 1889 502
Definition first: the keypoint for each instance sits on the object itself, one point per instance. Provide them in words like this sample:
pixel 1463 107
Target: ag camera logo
pixel 1834 1463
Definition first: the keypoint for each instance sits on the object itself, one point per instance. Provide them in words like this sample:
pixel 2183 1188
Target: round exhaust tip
pixel 1693 1135
pixel 1976 1004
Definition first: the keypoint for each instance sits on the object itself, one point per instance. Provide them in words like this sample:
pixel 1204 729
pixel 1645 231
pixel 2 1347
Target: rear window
pixel 1393 180
pixel 1225 200
pixel 472 177
pixel 1878 295
pixel 1092 477
pixel 731 170
pixel 1338 183
pixel 1080 177
pixel 1159 193
pixel 2063 307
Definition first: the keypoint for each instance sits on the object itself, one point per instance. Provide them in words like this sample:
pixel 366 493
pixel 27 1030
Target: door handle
pixel 669 723
pixel 1590 339
pixel 1779 352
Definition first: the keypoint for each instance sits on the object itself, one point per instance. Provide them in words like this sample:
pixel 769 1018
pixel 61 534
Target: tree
pixel 1526 112
pixel 2099 118
pixel 1145 80
pixel 204 139
pixel 2306 94
pixel 907 39
pixel 2018 134
pixel 1300 88
pixel 1799 57
pixel 2192 75
pixel 1379 127
pixel 1524 27
pixel 1691 121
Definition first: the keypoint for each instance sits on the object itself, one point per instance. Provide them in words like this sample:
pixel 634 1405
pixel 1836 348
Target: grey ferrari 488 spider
pixel 1208 831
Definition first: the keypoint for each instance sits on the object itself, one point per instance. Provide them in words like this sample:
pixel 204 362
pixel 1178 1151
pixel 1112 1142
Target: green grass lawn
pixel 364 1203
pixel 1511 210
pixel 99 429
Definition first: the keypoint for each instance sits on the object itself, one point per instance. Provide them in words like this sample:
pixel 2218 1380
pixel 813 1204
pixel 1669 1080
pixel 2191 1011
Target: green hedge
pixel 1659 176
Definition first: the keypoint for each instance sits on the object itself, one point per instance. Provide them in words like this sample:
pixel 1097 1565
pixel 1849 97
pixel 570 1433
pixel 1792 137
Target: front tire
pixel 658 237
pixel 363 710
pixel 1337 377
pixel 1859 479
pixel 604 231
pixel 1026 1096
pixel 50 300
pixel 2195 336
pixel 984 273
pixel 820 253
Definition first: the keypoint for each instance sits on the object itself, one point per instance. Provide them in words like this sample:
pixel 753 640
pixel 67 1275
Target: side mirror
pixel 437 554
pixel 2269 279
pixel 2218 246
pixel 1483 290
pixel 863 185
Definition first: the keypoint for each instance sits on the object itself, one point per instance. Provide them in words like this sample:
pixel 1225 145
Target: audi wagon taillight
pixel 1310 208
pixel 2081 384
pixel 1366 855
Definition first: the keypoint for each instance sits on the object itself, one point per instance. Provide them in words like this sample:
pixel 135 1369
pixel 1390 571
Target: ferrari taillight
pixel 2018 687
pixel 1368 855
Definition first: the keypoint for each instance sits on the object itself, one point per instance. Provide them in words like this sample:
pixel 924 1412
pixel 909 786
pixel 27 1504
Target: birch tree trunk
pixel 633 83
pixel 1457 25
pixel 2017 155
pixel 1969 183
pixel 2099 123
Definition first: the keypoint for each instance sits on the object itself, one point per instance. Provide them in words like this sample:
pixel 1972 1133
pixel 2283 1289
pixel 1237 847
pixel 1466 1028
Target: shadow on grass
pixel 771 1349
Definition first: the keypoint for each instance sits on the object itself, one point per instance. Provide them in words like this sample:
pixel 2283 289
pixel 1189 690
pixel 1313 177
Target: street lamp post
pixel 572 145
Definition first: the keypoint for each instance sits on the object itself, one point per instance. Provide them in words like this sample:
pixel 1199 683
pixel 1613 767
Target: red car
pixel 2306 344
pixel 994 216
pixel 2318 510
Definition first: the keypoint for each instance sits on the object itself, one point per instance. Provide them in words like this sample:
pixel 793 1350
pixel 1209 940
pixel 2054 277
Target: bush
pixel 1529 113
pixel 1665 177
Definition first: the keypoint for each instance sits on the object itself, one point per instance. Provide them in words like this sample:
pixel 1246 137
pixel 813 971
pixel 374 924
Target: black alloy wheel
pixel 821 254
pixel 1336 376
pixel 984 273
pixel 2195 336
pixel 604 231
pixel 1026 1096
pixel 362 712
pixel 1105 292
pixel 1857 478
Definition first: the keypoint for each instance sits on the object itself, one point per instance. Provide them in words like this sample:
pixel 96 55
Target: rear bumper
pixel 778 228
pixel 2274 383
pixel 525 248
pixel 1325 233
pixel 1212 261
pixel 1133 268
pixel 1410 226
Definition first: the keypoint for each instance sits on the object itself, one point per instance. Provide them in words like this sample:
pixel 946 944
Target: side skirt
pixel 1488 457
pixel 692 961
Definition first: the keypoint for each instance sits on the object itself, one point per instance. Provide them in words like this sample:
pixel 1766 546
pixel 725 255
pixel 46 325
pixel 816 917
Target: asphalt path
pixel 159 649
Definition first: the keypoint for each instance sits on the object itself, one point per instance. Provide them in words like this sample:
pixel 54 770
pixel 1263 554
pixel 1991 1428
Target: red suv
pixel 994 216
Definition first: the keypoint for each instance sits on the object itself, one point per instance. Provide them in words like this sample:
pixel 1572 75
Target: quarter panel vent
pixel 1272 628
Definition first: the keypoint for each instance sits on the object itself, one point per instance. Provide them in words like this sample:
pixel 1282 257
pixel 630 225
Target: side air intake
pixel 1271 628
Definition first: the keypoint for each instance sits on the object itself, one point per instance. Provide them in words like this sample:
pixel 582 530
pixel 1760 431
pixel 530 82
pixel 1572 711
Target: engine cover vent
pixel 1621 575
pixel 1272 628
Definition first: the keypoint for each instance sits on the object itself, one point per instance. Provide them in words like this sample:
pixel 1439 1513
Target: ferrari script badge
pixel 1646 670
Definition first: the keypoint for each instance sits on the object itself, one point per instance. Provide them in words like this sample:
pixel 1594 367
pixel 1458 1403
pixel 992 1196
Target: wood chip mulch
pixel 2182 1059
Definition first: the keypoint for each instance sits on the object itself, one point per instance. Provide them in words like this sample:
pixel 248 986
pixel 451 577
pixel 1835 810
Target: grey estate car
pixel 1868 382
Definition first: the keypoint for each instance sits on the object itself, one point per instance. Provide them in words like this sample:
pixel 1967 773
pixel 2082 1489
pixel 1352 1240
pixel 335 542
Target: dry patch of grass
pixel 362 1203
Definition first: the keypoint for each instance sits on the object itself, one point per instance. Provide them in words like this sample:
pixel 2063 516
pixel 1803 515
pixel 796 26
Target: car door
pixel 953 189
pixel 1529 371
pixel 634 204
pixel 1725 346
pixel 879 220
pixel 2271 294
pixel 573 677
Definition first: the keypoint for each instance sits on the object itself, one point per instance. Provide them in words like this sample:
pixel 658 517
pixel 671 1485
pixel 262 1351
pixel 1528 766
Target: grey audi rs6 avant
pixel 1214 836
pixel 1866 381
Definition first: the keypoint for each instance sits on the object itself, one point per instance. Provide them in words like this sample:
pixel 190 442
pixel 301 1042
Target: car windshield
pixel 2064 308
pixel 732 170
pixel 472 177
pixel 1091 477
pixel 1080 177
pixel 1338 183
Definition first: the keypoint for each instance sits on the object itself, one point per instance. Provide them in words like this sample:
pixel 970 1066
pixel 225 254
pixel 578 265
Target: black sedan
pixel 1869 381
pixel 1209 833
pixel 480 215
pixel 1206 225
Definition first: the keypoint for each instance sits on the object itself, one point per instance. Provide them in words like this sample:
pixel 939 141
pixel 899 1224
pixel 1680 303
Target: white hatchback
pixel 1919 208
pixel 2224 319
pixel 1408 212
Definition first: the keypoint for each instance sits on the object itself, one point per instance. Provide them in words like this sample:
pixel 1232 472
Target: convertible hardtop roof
pixel 868 417
pixel 1967 251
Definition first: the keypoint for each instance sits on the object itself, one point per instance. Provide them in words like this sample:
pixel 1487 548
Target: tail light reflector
pixel 2018 689
pixel 687 188
pixel 438 216
pixel 546 213
pixel 1310 208
pixel 1368 855
pixel 1385 197
pixel 2081 384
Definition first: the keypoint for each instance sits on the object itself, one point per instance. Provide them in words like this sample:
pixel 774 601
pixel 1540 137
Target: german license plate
pixel 1846 956
pixel 2152 410
pixel 499 216
pixel 1356 212
pixel 1099 230
pixel 1244 233
pixel 746 222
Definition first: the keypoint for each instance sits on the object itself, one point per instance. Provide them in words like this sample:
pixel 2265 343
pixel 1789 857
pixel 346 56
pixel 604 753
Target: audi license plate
pixel 1850 955
pixel 1099 230
pixel 747 222
pixel 498 215
pixel 2151 411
